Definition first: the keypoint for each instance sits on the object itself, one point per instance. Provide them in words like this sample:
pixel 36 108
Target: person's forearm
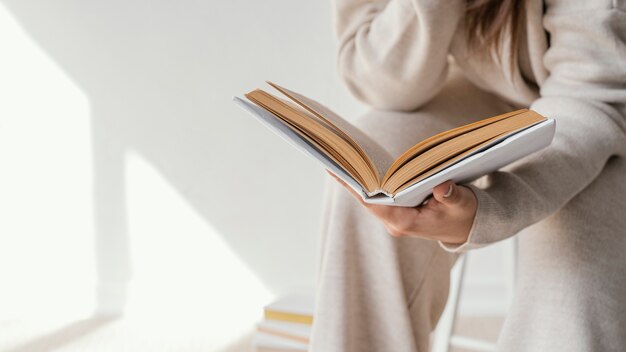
pixel 393 55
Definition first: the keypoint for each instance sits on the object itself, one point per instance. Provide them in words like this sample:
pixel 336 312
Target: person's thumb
pixel 450 193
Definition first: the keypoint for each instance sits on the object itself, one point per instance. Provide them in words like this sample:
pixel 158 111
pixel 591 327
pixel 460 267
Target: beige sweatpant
pixel 376 292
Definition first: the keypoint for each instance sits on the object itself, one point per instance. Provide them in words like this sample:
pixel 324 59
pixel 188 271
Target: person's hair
pixel 488 21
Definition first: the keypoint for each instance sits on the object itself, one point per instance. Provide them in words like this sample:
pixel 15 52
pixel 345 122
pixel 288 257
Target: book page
pixel 380 157
pixel 458 145
pixel 299 142
pixel 476 165
pixel 442 137
pixel 343 150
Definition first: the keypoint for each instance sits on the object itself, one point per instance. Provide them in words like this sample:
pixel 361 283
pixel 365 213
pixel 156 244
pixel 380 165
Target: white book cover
pixel 483 161
pixel 291 331
pixel 268 341
pixel 293 304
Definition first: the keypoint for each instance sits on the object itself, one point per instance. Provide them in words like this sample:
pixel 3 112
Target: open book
pixel 460 154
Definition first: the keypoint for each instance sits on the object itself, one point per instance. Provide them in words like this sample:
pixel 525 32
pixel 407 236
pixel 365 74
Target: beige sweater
pixel 394 55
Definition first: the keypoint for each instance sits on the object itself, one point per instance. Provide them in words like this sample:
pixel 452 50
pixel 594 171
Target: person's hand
pixel 447 216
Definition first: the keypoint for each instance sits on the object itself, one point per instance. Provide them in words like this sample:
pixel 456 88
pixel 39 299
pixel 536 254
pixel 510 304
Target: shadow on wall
pixel 64 335
pixel 159 77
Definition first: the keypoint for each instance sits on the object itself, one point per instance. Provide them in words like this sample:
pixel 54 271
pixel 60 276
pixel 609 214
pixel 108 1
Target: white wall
pixel 117 132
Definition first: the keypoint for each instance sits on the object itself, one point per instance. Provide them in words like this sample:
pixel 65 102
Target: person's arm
pixel 393 54
pixel 586 94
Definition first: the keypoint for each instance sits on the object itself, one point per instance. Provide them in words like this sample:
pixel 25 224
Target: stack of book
pixel 286 326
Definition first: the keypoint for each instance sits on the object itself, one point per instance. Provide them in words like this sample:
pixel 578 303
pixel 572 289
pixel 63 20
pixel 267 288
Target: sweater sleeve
pixel 586 94
pixel 393 53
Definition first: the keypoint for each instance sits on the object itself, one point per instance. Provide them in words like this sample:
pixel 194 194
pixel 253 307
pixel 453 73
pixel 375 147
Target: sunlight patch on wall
pixel 182 269
pixel 46 227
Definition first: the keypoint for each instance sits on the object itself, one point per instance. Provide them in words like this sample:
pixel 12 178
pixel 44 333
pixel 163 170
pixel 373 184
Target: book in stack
pixel 286 326
pixel 461 154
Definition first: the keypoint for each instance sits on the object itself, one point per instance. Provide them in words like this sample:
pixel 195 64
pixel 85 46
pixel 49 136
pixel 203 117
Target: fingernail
pixel 426 201
pixel 449 193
